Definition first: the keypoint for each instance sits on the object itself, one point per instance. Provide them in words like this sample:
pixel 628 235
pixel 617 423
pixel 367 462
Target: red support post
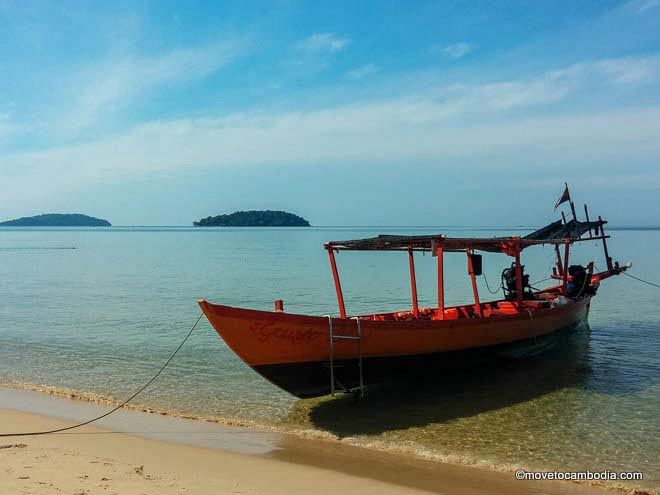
pixel 566 253
pixel 519 287
pixel 475 289
pixel 335 276
pixel 441 283
pixel 413 283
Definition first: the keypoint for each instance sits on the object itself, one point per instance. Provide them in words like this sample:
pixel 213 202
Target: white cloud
pixel 115 82
pixel 557 85
pixel 323 42
pixel 363 71
pixel 630 71
pixel 5 123
pixel 436 126
pixel 649 4
pixel 457 50
pixel 9 128
pixel 314 54
pixel 390 132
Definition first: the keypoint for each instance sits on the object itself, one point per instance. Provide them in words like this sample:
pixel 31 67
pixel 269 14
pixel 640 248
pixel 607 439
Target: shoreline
pixel 94 460
pixel 395 469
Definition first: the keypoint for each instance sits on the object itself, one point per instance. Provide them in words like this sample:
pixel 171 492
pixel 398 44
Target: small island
pixel 254 218
pixel 57 220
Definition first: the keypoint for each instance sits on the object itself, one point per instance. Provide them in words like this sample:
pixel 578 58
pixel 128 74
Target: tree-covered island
pixel 254 218
pixel 57 220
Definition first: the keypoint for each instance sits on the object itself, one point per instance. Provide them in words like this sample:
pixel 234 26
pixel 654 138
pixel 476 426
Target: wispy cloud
pixel 323 42
pixel 627 72
pixel 314 54
pixel 5 120
pixel 457 50
pixel 6 127
pixel 378 133
pixel 554 85
pixel 115 82
pixel 648 4
pixel 436 126
pixel 363 71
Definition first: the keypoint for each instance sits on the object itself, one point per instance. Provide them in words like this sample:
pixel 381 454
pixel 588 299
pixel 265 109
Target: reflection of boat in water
pixel 315 355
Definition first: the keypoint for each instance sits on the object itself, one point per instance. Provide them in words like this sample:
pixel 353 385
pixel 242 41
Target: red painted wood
pixel 519 287
pixel 413 283
pixel 566 253
pixel 441 282
pixel 335 276
pixel 264 337
pixel 475 289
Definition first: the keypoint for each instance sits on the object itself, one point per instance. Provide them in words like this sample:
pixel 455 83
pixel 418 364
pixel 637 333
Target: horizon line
pixel 484 227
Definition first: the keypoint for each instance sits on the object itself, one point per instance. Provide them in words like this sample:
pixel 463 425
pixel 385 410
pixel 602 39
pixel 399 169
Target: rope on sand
pixel 140 390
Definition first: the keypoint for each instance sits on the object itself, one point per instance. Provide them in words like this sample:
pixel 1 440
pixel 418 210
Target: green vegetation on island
pixel 254 218
pixel 57 220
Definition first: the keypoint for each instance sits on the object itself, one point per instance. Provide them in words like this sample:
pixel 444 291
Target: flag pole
pixel 573 210
pixel 570 202
pixel 586 214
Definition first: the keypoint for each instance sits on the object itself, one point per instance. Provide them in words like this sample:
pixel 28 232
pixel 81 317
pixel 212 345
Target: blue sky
pixel 348 113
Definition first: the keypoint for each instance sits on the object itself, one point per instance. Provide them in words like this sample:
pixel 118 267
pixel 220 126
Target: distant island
pixel 57 220
pixel 254 218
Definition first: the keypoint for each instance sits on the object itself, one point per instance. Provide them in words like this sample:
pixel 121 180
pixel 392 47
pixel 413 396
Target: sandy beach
pixel 164 455
pixel 303 247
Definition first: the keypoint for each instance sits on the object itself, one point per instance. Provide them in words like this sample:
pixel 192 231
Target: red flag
pixel 565 196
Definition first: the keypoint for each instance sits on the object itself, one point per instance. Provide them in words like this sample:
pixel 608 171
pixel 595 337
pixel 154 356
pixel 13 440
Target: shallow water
pixel 102 317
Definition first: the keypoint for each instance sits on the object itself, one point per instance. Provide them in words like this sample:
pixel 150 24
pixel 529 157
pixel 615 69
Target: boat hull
pixel 293 351
pixel 312 379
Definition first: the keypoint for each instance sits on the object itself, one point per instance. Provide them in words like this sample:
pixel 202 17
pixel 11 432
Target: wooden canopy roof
pixel 554 233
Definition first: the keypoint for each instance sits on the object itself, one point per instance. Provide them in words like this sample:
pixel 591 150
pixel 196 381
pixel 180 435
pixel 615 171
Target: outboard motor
pixel 578 285
pixel 509 282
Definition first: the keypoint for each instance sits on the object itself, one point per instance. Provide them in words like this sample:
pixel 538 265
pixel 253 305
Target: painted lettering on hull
pixel 267 331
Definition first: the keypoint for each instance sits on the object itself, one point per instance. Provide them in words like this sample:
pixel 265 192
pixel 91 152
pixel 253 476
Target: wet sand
pixel 133 452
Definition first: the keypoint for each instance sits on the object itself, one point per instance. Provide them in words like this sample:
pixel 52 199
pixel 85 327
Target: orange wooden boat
pixel 316 355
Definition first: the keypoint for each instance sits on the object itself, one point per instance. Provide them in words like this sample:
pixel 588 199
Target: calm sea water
pixel 102 317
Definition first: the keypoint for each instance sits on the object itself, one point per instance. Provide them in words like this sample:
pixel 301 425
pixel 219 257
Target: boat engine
pixel 578 285
pixel 509 282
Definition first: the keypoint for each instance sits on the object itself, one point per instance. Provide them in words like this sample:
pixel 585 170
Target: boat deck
pixel 492 308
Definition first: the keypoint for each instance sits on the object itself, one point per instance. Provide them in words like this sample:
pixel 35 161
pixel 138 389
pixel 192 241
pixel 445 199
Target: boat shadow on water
pixel 442 396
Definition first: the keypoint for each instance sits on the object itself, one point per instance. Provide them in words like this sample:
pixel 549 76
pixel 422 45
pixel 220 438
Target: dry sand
pixel 96 461
pixel 90 462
